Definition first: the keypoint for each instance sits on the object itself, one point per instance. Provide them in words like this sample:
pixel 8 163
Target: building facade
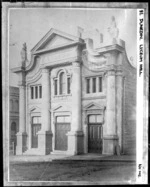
pixel 76 98
pixel 13 118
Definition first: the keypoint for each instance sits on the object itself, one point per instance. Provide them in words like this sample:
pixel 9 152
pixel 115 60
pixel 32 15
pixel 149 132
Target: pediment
pixel 93 106
pixel 55 42
pixel 60 108
pixel 35 109
pixel 53 39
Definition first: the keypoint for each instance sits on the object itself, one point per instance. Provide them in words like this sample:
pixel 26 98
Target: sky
pixel 30 25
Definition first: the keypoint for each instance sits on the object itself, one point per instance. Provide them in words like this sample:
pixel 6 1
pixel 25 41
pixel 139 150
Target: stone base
pixel 75 143
pixel 21 143
pixel 44 142
pixel 109 144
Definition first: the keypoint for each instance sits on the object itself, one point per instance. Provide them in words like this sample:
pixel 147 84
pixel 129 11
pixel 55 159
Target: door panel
pixel 95 138
pixel 35 129
pixel 61 140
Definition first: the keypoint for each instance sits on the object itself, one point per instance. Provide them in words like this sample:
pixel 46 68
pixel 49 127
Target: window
pixel 40 91
pixel 36 92
pixel 68 85
pixel 100 84
pixel 88 86
pixel 95 118
pixel 63 119
pixel 36 119
pixel 93 85
pixel 62 83
pixel 55 87
pixel 32 92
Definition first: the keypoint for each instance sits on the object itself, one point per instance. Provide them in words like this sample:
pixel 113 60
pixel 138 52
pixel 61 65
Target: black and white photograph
pixel 75 93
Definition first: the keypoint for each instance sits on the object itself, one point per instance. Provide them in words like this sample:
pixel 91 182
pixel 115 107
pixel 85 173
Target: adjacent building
pixel 13 117
pixel 76 98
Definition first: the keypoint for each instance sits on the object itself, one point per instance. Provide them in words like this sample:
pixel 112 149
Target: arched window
pixel 62 83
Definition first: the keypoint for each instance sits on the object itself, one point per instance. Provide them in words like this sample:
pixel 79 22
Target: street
pixel 73 171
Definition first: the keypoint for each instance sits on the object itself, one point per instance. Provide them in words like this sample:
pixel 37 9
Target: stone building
pixel 77 98
pixel 13 117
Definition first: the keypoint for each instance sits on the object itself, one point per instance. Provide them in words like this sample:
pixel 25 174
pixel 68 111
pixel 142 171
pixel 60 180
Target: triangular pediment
pixel 60 108
pixel 54 39
pixel 93 106
pixel 35 109
pixel 55 42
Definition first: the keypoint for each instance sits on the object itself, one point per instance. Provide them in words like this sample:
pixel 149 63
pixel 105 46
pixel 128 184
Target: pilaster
pixel 45 134
pixel 119 109
pixel 110 139
pixel 21 135
pixel 75 136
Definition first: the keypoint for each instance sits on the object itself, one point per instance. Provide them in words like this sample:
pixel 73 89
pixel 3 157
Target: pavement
pixel 61 158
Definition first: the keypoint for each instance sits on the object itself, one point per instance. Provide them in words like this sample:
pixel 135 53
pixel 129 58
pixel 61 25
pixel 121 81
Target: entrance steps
pixel 33 151
pixel 57 152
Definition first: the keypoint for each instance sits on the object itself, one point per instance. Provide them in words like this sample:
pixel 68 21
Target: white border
pixel 140 98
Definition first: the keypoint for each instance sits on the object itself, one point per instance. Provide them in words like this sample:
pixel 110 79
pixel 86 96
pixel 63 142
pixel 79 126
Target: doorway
pixel 95 131
pixel 36 126
pixel 62 127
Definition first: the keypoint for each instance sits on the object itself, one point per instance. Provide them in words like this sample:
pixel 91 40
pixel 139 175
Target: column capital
pixel 111 73
pixel 45 70
pixel 119 73
pixel 76 64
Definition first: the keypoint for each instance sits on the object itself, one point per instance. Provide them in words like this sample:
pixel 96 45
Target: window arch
pixel 62 83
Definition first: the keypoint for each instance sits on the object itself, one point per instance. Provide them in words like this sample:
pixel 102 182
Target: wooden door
pixel 62 127
pixel 94 136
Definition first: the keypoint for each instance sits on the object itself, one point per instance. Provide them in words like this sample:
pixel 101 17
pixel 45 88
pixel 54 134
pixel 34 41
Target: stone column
pixel 110 138
pixel 119 95
pixel 21 135
pixel 45 134
pixel 75 136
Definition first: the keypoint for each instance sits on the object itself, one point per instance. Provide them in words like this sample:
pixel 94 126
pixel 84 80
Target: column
pixel 75 136
pixel 45 135
pixel 21 135
pixel 119 98
pixel 110 138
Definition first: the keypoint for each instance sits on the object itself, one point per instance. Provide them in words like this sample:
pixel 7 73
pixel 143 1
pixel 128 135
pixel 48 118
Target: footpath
pixel 66 158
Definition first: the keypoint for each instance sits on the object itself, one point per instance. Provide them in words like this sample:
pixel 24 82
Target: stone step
pixel 55 152
pixel 33 151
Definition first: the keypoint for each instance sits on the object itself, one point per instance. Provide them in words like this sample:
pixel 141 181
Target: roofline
pixel 55 31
